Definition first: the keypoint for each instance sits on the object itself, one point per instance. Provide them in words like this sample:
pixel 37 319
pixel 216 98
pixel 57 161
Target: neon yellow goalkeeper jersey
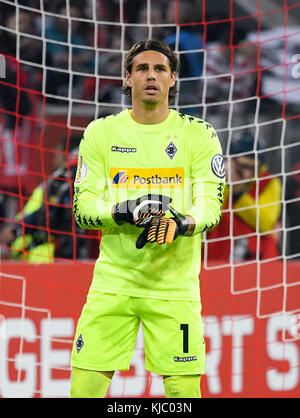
pixel 121 159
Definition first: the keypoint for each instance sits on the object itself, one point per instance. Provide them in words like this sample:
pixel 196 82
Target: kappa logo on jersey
pixel 120 178
pixel 185 359
pixel 144 178
pixel 122 149
pixel 218 166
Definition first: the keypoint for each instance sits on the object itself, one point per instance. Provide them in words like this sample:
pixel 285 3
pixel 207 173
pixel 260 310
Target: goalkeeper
pixel 152 180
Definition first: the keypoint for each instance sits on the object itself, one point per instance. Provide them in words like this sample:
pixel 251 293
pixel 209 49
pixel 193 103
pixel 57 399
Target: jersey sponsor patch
pixel 120 178
pixel 218 166
pixel 81 170
pixel 144 178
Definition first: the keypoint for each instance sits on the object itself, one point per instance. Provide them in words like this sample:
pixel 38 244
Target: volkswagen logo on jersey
pixel 217 165
pixel 120 178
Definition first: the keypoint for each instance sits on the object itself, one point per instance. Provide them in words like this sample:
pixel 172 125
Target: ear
pixel 173 79
pixel 128 79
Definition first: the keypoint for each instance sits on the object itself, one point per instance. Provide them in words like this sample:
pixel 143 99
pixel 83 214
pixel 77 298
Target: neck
pixel 149 115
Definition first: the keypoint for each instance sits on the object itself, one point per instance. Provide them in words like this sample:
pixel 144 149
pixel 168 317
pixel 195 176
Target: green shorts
pixel 107 330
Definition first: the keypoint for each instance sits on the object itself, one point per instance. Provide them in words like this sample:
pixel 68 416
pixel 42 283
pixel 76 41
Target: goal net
pixel 61 66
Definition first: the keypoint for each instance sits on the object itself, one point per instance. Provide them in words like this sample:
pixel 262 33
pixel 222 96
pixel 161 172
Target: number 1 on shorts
pixel 185 329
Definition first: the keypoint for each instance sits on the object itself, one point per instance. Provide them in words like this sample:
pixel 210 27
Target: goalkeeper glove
pixel 135 211
pixel 163 230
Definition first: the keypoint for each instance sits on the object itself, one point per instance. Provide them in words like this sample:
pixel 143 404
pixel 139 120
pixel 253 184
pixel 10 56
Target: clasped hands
pixel 148 212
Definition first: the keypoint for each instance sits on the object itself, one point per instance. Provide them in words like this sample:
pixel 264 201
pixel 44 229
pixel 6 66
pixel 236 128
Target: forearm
pixel 205 216
pixel 91 211
pixel 207 206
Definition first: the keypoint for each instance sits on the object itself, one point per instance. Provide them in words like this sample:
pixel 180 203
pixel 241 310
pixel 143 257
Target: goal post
pixel 62 66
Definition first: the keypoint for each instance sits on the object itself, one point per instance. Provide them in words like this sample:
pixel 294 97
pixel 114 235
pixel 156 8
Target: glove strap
pixel 120 213
pixel 181 220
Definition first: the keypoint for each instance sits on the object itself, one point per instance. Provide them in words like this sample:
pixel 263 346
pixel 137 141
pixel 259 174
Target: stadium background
pixel 63 68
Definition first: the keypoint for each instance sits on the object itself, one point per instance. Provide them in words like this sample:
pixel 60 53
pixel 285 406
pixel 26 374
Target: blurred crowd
pixel 63 55
pixel 66 41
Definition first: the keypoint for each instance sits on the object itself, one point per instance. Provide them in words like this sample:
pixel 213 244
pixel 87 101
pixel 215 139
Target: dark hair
pixel 151 45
